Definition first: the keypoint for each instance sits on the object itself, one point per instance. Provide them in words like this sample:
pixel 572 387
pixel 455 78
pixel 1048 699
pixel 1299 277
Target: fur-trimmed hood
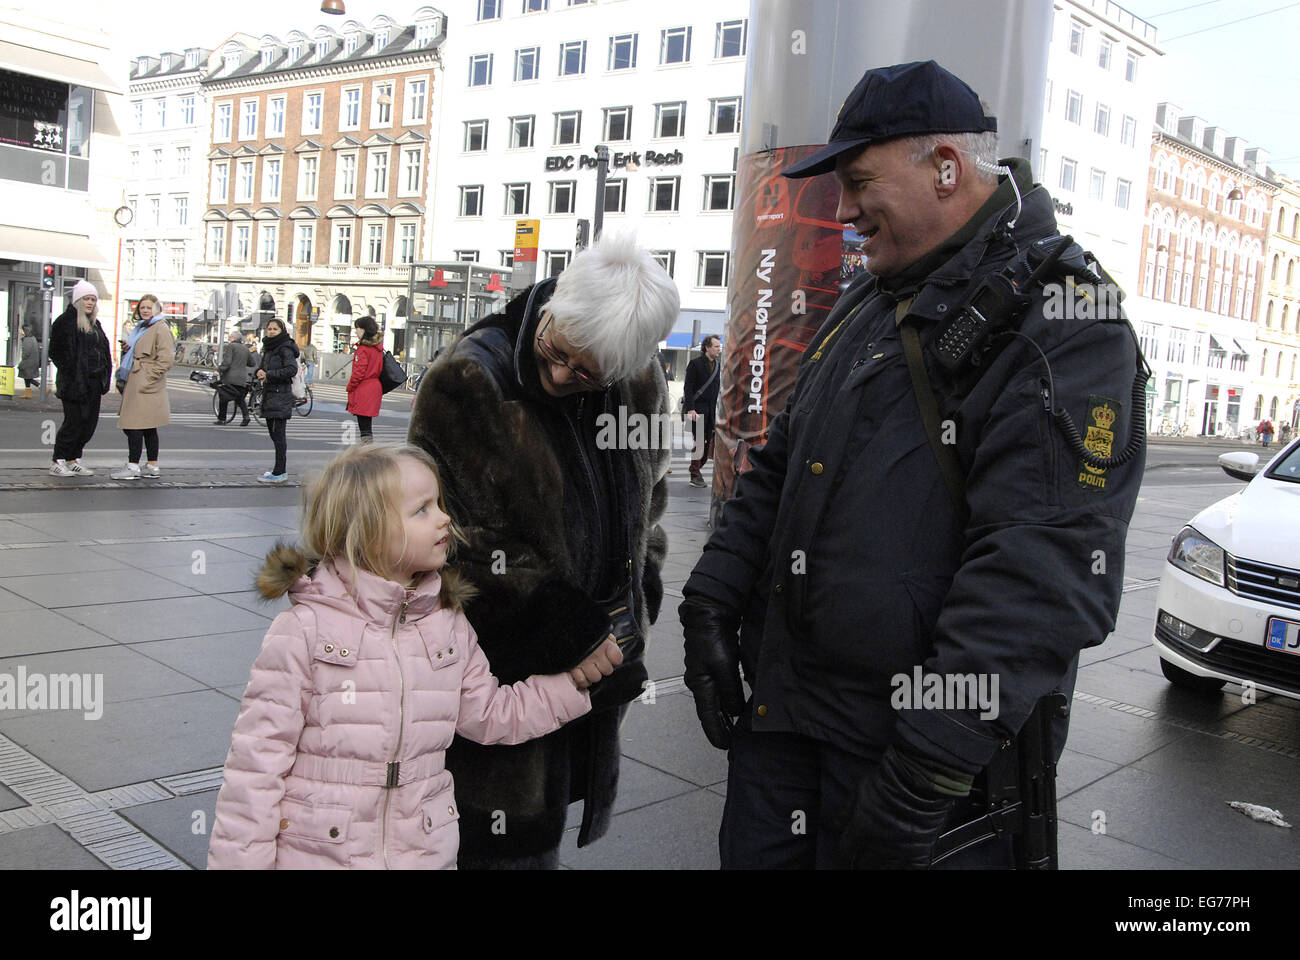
pixel 374 341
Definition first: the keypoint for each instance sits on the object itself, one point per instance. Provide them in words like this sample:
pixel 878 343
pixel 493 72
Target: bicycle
pixel 302 408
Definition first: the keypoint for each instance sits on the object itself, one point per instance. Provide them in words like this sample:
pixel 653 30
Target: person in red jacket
pixel 364 391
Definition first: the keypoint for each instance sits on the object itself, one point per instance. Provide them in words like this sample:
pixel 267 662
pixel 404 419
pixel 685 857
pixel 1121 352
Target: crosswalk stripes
pixel 305 428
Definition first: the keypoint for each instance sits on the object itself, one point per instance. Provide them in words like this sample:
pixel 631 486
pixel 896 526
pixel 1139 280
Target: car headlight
pixel 1199 556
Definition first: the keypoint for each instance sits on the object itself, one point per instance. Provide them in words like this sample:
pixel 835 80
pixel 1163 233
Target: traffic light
pixel 47 276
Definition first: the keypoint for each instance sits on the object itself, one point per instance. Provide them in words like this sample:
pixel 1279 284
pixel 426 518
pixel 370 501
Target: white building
pixel 167 146
pixel 60 165
pixel 532 86
pixel 1277 375
pixel 1103 72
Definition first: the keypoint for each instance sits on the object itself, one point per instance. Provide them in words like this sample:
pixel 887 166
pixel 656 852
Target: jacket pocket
pixel 438 811
pixel 319 830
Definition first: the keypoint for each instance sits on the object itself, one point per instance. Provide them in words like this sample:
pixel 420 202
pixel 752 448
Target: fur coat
pixel 513 475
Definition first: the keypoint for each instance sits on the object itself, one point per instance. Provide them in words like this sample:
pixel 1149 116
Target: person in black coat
pixel 277 369
pixel 701 395
pixel 234 369
pixel 80 353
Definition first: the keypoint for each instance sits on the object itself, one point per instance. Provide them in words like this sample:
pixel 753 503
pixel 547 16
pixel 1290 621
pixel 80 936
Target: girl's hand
pixel 261 374
pixel 600 664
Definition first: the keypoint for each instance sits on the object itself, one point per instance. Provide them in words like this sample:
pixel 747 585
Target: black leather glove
pixel 895 819
pixel 713 667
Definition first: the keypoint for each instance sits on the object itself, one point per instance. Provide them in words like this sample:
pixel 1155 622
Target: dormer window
pixel 232 61
pixel 267 56
pixel 350 44
pixel 381 39
pixel 191 59
pixel 322 48
pixel 295 52
pixel 424 34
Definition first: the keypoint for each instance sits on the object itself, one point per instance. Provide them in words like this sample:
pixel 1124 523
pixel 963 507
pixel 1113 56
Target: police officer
pixel 898 620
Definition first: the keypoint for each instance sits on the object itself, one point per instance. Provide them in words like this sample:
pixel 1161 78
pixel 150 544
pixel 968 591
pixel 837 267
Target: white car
pixel 1228 608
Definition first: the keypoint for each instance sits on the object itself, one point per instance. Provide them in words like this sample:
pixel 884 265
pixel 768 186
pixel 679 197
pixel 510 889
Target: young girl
pixel 337 756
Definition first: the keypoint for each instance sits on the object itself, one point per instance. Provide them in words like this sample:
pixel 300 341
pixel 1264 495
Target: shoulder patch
pixel 1102 415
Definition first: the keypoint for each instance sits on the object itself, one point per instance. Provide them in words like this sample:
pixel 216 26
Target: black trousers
pixel 364 425
pixel 786 796
pixel 276 429
pixel 230 393
pixel 137 440
pixel 80 418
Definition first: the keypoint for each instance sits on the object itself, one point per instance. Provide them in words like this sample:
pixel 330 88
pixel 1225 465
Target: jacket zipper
pixel 586 466
pixel 397 750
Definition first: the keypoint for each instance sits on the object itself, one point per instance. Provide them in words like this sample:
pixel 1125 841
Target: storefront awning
pixel 1240 349
pixel 46 246
pixel 1215 345
pixel 56 66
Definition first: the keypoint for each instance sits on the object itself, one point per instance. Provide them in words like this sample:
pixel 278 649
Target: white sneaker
pixel 59 468
pixel 80 469
pixel 148 471
pixel 130 472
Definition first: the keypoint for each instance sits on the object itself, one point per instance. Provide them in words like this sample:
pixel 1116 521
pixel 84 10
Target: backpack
pixel 297 385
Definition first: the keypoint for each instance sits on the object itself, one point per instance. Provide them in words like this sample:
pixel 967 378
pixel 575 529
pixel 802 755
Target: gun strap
pixel 929 407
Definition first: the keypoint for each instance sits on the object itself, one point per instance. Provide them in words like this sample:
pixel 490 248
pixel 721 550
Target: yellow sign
pixel 6 381
pixel 527 234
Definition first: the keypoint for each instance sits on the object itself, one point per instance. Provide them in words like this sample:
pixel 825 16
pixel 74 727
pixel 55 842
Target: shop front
pixel 444 299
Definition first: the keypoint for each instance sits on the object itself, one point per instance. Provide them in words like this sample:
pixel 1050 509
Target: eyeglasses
pixel 551 355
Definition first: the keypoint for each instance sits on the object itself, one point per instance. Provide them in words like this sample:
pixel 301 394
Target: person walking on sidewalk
pixel 84 364
pixel 234 372
pixel 1265 431
pixel 701 395
pixel 311 357
pixel 364 391
pixel 315 780
pixel 149 352
pixel 279 364
pixel 29 365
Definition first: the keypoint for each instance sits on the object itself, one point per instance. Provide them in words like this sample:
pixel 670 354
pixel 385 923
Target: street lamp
pixel 332 6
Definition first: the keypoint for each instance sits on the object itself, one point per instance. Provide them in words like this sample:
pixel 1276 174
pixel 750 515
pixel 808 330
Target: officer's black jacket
pixel 850 562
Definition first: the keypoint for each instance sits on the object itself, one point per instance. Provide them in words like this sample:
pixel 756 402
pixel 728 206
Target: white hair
pixel 616 301
pixel 980 147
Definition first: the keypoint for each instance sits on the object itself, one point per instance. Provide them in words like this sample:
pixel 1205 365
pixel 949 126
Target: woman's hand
pixel 261 374
pixel 601 663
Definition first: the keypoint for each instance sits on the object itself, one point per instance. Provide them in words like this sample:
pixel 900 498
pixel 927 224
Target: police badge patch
pixel 1103 412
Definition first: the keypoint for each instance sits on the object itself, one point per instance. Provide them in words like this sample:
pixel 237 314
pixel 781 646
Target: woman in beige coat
pixel 148 354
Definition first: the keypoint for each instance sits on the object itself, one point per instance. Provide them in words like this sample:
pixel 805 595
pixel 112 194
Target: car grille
pixel 1245 660
pixel 1264 582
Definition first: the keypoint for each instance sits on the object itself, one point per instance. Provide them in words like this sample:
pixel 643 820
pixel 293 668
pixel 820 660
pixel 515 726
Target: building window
pixel 622 52
pixel 666 259
pixel 311 112
pixel 153 272
pixel 618 123
pixel 381 109
pixel 415 95
pixel 307 178
pixel 342 243
pixel 1068 168
pixel 568 127
pixel 1103 53
pixel 137 112
pixel 526 63
pixel 160 111
pixel 714 269
pixel 406 242
pixel 350 44
pixel 675 45
pixel 670 119
pixel 1131 67
pixel 242 235
pixel 322 48
pixel 475 135
pixel 1074 107
pixel 1122 188
pixel 563 195
pixel 187 111
pixel 128 262
pixel 411 163
pixel 573 58
pixel 158 162
pixel 731 39
pixel 244 185
pixel 424 33
pixel 480 70
pixel 1076 38
pixel 248 120
pixel 724 115
pixel 178 262
pixel 271 179
pixel 275 118
pixel 1096 184
pixel 1101 122
pixel 507 257
pixel 221 127
pixel 1128 132
pixel 471 201
pixel 216 243
pixel 521 131
pixel 135 163
pixel 467 256
pixel 345 183
pixel 304 240
pixel 719 191
pixel 295 53
pixel 381 39
pixel 517 198
pixel 489 10
pixel 182 161
pixel 616 196
pixel 536 6
pixel 182 209
pixel 663 194
pixel 374 243
pixel 220 182
pixel 378 173
pixel 556 261
pixel 266 244
pixel 350 109
pixel 155 211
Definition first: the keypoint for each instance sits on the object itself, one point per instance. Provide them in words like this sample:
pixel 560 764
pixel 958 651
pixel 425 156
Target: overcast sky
pixel 1244 76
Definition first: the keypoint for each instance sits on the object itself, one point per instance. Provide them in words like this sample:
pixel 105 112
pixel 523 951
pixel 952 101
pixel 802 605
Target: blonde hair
pixel 353 507
pixel 157 307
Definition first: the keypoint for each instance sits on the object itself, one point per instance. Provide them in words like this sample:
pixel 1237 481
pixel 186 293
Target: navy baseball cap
pixel 905 100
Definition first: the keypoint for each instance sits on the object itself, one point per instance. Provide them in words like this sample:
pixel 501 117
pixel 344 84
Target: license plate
pixel 1283 635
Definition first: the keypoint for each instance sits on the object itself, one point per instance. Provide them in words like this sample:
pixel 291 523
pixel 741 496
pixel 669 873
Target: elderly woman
pixel 80 354
pixel 562 519
pixel 149 352
pixel 29 366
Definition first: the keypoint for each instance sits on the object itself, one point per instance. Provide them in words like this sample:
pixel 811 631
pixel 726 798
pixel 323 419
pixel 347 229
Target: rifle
pixel 1017 792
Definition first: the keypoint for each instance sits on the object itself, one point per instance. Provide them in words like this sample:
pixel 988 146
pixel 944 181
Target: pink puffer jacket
pixel 337 756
